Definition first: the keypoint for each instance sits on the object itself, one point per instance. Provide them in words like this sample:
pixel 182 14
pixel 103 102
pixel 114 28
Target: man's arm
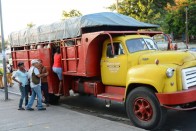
pixel 41 75
pixel 36 71
pixel 14 78
pixel 45 70
pixel 20 83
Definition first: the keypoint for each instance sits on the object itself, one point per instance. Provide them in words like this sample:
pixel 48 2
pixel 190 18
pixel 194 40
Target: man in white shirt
pixel 36 87
pixel 22 79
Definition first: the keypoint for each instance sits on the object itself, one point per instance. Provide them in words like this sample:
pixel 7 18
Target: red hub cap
pixel 143 109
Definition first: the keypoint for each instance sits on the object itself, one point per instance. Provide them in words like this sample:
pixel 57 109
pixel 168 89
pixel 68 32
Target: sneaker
pixel 30 109
pixel 59 95
pixel 21 108
pixel 41 109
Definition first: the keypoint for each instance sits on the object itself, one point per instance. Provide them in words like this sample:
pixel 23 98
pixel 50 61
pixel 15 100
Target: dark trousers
pixel 44 88
pixel 27 93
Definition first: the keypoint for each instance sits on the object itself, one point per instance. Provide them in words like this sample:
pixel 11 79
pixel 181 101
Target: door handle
pixel 104 60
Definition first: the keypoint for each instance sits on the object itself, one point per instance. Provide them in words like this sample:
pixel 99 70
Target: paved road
pixel 176 120
pixel 55 118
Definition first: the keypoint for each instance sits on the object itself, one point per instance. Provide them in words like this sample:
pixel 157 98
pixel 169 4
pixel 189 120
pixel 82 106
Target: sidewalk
pixel 55 118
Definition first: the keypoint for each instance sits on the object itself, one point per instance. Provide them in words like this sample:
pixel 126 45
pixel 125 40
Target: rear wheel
pixel 143 109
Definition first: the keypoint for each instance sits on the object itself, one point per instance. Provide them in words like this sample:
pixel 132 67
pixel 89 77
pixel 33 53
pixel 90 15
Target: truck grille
pixel 188 77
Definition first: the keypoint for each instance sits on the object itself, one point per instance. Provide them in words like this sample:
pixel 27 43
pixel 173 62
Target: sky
pixel 18 13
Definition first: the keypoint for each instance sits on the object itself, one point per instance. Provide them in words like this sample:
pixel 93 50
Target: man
pixel 27 92
pixel 35 83
pixel 44 82
pixel 22 76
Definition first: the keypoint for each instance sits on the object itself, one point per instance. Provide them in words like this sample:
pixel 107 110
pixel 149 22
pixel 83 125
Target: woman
pixel 57 68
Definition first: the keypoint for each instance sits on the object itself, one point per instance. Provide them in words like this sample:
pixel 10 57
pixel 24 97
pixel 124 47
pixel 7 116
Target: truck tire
pixel 144 110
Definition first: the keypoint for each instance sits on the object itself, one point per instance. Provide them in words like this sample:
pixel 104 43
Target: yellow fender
pixel 153 75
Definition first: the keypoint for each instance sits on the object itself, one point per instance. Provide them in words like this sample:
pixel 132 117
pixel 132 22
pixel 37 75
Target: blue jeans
pixel 35 91
pixel 58 71
pixel 23 94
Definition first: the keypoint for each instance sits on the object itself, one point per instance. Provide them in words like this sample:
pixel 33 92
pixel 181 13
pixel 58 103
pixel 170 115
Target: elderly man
pixel 35 83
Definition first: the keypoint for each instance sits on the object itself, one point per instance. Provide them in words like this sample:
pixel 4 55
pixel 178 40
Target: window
pixel 140 44
pixel 118 50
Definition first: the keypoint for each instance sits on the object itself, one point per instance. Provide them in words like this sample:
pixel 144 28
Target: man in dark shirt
pixel 44 82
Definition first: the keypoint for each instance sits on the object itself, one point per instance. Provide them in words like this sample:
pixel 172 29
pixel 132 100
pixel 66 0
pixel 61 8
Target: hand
pixel 46 74
pixel 20 83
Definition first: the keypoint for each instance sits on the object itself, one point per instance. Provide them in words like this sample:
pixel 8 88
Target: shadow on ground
pixel 176 120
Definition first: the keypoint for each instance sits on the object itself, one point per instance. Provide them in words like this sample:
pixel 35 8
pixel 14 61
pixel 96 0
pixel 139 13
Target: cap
pixel 20 63
pixel 34 61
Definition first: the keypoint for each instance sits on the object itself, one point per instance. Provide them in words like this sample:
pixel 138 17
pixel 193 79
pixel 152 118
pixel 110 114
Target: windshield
pixel 140 44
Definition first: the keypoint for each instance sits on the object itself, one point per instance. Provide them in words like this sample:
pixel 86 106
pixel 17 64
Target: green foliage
pixel 1 71
pixel 72 13
pixel 192 17
pixel 175 19
pixel 169 14
pixel 30 25
pixel 143 10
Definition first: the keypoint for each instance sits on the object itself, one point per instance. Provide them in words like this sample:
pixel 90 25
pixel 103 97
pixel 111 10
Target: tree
pixel 175 18
pixel 72 13
pixel 169 14
pixel 192 17
pixel 144 10
pixel 30 25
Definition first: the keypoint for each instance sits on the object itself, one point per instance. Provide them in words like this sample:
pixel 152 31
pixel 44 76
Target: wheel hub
pixel 143 109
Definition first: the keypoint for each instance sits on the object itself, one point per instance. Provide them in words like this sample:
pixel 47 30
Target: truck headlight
pixel 170 72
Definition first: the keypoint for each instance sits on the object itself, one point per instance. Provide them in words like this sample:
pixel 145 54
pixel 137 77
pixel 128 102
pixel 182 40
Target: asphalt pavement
pixel 176 120
pixel 55 118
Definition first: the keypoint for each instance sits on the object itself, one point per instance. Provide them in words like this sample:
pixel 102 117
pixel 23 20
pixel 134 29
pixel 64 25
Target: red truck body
pixel 81 63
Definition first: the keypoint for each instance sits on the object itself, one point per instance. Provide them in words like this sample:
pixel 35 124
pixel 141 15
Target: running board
pixel 110 96
pixel 113 93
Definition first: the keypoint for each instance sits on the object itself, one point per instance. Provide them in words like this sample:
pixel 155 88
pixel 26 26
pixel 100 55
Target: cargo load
pixel 75 27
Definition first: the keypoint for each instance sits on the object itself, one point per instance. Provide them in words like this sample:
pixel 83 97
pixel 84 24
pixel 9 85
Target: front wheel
pixel 143 109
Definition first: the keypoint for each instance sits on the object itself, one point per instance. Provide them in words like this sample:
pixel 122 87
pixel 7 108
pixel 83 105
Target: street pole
pixel 3 54
pixel 187 37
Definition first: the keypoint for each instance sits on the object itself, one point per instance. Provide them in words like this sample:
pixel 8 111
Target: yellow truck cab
pixel 154 79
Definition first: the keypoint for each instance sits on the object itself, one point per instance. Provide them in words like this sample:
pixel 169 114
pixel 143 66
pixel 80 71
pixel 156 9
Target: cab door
pixel 114 66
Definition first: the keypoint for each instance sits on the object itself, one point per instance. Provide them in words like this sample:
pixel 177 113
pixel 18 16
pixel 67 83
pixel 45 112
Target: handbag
pixel 35 79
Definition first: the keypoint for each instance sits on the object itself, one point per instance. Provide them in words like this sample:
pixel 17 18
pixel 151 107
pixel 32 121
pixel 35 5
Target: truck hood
pixel 167 57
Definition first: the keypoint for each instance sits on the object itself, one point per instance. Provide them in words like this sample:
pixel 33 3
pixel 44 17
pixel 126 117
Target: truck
pixel 107 55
